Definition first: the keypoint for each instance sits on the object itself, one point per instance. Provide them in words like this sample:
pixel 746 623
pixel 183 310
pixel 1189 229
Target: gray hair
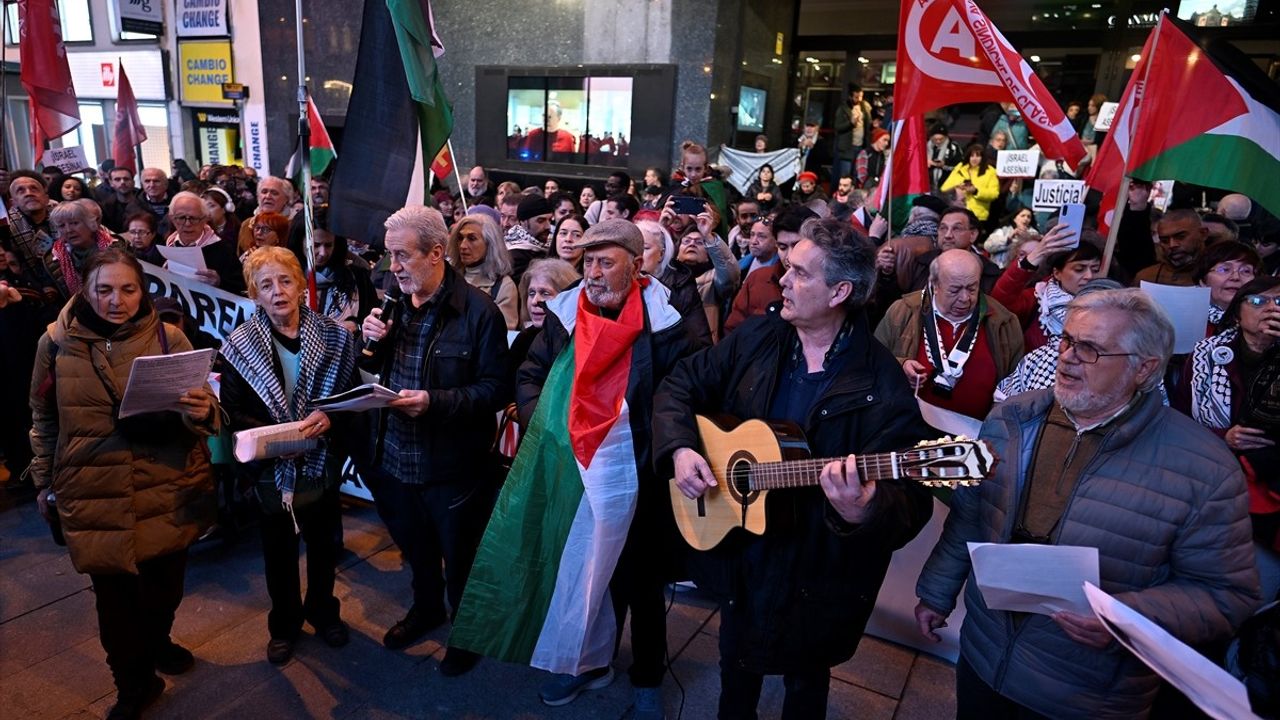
pixel 75 210
pixel 496 262
pixel 188 195
pixel 558 273
pixel 1149 333
pixel 424 222
pixel 921 212
pixel 848 257
pixel 91 207
pixel 285 186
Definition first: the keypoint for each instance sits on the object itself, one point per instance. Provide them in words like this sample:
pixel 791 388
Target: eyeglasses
pixel 186 219
pixel 1244 271
pixel 139 233
pixel 1085 352
pixel 766 220
pixel 263 228
pixel 1260 300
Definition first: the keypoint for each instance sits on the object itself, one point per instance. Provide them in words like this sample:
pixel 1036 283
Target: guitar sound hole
pixel 739 479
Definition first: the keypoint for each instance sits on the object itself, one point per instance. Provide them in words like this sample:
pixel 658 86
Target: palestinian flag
pixel 1108 168
pixel 420 47
pixel 1209 117
pixel 538 590
pixel 906 177
pixel 322 152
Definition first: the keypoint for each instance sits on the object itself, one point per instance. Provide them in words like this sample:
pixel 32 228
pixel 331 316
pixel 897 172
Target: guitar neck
pixel 804 473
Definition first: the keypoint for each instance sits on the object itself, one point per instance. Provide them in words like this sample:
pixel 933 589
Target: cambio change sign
pixel 201 18
pixel 203 66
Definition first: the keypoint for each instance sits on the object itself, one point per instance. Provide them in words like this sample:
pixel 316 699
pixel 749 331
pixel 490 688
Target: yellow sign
pixel 777 45
pixel 203 66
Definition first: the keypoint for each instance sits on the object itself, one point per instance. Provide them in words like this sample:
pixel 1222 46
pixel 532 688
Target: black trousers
pixel 806 697
pixel 321 525
pixel 135 615
pixel 432 524
pixel 976 700
pixel 637 587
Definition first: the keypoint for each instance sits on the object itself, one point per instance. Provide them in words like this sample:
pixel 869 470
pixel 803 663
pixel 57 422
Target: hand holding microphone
pixel 374 327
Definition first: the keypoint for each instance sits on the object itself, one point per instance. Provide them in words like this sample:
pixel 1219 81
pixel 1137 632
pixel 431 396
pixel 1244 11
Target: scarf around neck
pixel 602 360
pixel 70 258
pixel 1053 306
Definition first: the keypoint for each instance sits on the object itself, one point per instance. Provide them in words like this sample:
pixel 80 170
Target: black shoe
pixel 335 634
pixel 130 708
pixel 457 662
pixel 411 628
pixel 279 651
pixel 173 659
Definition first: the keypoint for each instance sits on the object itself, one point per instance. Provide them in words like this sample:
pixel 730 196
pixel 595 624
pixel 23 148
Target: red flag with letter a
pixel 45 73
pixel 949 52
pixel 129 130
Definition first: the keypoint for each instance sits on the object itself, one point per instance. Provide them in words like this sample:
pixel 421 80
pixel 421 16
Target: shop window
pixel 580 120
pixel 76 24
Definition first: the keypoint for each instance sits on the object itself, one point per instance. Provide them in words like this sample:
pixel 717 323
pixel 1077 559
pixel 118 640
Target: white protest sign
pixel 67 159
pixel 1106 115
pixel 1051 195
pixel 1017 163
pixel 215 311
pixel 1161 194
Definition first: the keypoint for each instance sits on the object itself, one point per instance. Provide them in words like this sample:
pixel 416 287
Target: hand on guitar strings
pixel 693 474
pixel 845 490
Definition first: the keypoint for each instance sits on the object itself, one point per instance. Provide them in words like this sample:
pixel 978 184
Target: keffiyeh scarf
pixel 325 359
pixel 1210 384
pixel 1053 306
pixel 65 256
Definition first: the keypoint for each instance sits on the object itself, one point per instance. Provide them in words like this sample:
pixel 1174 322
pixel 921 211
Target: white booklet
pixel 272 441
pixel 157 381
pixel 1032 578
pixel 182 260
pixel 366 397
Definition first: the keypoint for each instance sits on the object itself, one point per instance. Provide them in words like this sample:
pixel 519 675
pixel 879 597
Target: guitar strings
pixel 796 473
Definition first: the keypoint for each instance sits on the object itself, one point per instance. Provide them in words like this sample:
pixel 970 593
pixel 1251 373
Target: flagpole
pixel 304 156
pixel 1122 193
pixel 4 83
pixel 453 160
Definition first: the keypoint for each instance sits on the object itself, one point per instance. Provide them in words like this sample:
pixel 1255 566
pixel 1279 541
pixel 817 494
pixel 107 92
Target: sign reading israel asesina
pixel 215 311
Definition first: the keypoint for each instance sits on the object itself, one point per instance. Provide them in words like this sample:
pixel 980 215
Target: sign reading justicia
pixel 201 18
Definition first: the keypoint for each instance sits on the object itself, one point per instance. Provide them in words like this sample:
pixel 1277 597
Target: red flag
pixel 949 52
pixel 129 131
pixel 45 73
pixel 442 166
pixel 1108 167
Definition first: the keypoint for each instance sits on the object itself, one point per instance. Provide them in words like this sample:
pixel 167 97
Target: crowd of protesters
pixel 792 301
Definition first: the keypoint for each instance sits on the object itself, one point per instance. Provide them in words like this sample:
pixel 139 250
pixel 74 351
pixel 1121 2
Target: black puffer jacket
pixel 466 376
pixel 802 592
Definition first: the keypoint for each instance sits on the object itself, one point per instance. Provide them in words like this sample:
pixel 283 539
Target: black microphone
pixel 389 302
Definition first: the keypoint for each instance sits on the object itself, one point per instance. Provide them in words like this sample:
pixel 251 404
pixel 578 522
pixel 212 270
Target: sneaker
pixel 649 704
pixel 411 629
pixel 564 689
pixel 173 659
pixel 457 662
pixel 279 651
pixel 130 708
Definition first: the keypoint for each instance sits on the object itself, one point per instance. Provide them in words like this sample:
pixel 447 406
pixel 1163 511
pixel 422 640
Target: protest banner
pixel 1051 195
pixel 1017 163
pixel 67 159
pixel 215 311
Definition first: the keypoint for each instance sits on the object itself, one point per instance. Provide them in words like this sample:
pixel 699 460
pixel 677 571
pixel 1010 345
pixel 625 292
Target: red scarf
pixel 66 263
pixel 602 367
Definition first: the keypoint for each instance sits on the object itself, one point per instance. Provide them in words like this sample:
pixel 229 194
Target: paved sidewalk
pixel 52 665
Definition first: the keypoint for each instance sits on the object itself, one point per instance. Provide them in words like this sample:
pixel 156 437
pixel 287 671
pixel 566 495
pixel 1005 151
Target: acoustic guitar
pixel 758 456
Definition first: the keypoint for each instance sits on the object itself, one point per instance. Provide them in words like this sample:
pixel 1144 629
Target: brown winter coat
pixel 901 332
pixel 127 490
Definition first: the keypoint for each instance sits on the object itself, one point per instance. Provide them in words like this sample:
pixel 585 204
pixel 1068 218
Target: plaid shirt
pixel 402 455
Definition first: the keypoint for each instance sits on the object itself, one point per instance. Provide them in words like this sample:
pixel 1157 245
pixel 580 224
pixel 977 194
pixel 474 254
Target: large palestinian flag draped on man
pixel 950 52
pixel 1208 117
pixel 538 590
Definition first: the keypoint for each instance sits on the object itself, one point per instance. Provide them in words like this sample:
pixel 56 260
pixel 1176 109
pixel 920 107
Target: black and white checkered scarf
pixel 1210 384
pixel 326 358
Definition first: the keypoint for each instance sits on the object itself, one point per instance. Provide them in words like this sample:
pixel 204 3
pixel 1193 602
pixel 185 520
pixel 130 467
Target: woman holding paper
pixel 273 367
pixel 131 494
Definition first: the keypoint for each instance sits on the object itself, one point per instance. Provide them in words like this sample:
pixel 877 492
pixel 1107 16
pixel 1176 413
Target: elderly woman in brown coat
pixel 131 494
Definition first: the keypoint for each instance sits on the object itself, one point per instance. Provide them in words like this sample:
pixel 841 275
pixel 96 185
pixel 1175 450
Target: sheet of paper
pixel 366 397
pixel 1106 116
pixel 1188 309
pixel 183 260
pixel 1211 688
pixel 949 421
pixel 272 441
pixel 1040 579
pixel 157 381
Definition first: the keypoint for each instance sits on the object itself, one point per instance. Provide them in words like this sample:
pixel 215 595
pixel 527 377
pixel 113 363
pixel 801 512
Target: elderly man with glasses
pixel 1097 461
pixel 191 229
